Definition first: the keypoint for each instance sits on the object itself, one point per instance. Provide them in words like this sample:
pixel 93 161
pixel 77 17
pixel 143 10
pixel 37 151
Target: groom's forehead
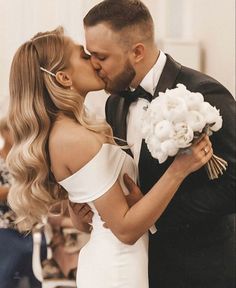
pixel 100 36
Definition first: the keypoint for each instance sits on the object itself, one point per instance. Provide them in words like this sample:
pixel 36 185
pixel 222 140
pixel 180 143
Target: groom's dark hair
pixel 121 14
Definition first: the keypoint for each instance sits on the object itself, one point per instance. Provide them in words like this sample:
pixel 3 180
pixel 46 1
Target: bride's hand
pixel 196 157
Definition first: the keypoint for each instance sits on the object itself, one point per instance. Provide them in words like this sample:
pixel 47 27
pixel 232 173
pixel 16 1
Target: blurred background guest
pixel 65 244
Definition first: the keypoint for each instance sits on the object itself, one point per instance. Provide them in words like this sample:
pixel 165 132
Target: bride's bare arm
pixel 129 223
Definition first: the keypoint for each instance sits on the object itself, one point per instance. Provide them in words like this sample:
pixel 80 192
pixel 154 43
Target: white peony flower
pixel 174 109
pixel 163 130
pixel 153 143
pixel 180 91
pixel 183 134
pixel 155 111
pixel 170 147
pixel 194 100
pixel 154 146
pixel 159 155
pixel 211 114
pixel 217 125
pixel 196 121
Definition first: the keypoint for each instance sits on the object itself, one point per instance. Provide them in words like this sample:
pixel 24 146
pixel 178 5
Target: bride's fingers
pixel 203 144
pixel 203 149
pixel 207 155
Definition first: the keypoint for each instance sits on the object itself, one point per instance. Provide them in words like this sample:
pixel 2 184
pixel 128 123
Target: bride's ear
pixel 64 79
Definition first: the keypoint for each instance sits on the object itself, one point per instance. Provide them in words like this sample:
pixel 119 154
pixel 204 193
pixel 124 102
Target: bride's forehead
pixel 76 46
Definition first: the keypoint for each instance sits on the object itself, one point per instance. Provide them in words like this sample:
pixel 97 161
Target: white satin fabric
pixel 106 262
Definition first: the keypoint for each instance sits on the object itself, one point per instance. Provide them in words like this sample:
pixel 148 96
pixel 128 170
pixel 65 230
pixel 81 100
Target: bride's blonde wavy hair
pixel 36 98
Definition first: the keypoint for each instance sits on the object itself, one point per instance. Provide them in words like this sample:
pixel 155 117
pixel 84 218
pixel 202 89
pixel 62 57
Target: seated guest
pixel 65 245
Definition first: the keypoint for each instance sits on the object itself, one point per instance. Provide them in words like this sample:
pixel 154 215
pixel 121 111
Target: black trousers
pixel 194 258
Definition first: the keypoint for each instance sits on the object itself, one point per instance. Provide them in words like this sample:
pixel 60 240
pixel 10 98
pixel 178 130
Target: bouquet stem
pixel 215 167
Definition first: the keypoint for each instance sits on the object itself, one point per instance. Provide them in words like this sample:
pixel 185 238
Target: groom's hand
pixel 81 216
pixel 135 192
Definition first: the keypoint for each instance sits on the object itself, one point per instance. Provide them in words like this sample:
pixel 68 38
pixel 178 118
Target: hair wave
pixel 36 98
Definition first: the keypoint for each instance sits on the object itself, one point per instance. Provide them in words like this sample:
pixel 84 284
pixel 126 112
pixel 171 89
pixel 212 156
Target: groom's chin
pixel 112 90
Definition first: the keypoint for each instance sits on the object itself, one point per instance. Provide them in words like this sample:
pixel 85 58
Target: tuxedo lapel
pixel 168 75
pixel 119 123
pixel 121 115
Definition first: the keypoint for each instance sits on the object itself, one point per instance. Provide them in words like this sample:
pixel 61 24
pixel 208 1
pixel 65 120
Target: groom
pixel 193 246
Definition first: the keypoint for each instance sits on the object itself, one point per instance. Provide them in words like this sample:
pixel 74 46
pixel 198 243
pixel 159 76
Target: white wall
pixel 21 19
pixel 208 22
pixel 214 26
pixel 206 30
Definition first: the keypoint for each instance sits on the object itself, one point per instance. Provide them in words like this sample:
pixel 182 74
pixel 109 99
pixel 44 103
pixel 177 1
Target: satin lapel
pixel 119 125
pixel 121 122
pixel 168 76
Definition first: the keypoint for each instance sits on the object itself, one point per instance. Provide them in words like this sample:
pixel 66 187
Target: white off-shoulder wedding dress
pixel 106 262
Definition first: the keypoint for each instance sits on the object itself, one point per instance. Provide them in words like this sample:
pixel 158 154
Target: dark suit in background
pixel 195 243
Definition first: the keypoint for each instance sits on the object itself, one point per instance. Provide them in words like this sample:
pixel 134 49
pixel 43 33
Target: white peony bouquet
pixel 174 119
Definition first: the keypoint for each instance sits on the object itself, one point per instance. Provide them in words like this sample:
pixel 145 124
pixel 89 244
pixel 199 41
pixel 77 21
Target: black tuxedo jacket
pixel 202 211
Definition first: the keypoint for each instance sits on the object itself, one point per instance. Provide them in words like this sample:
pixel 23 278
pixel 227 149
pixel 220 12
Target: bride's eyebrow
pixel 81 50
pixel 86 50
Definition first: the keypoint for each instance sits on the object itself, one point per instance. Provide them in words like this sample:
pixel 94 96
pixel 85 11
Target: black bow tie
pixel 139 92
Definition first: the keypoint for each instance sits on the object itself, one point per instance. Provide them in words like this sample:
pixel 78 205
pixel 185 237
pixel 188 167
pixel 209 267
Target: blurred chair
pixel 36 260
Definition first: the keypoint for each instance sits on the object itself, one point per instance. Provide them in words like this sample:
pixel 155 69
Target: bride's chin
pixel 98 87
pixel 102 85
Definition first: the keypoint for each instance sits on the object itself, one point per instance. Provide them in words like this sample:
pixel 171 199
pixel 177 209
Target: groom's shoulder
pixel 195 76
pixel 189 76
pixel 198 81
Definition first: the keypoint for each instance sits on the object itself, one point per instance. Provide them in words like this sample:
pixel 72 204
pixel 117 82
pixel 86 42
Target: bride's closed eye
pixel 83 54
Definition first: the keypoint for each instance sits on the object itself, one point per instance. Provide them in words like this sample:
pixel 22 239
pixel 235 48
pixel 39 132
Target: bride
pixel 60 152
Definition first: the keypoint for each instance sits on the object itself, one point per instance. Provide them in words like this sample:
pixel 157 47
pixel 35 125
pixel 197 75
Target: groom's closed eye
pixel 100 57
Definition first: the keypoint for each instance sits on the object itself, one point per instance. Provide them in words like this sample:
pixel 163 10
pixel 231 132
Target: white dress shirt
pixel 136 109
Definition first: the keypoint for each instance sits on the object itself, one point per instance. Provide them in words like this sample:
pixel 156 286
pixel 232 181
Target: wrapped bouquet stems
pixel 215 167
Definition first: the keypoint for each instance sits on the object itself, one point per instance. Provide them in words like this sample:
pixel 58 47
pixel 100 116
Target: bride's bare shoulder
pixel 72 144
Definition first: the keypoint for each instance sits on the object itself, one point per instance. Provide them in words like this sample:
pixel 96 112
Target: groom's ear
pixel 138 52
pixel 64 79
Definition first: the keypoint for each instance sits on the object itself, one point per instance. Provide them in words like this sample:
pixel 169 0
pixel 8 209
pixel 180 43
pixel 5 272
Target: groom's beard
pixel 122 81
